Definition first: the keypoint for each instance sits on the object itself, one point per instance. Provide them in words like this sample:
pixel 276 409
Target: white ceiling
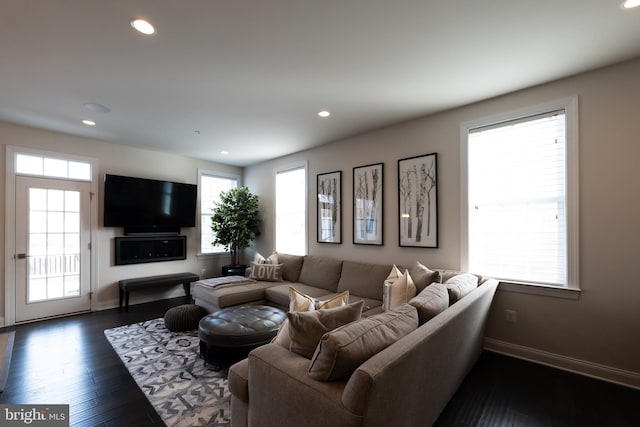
pixel 249 76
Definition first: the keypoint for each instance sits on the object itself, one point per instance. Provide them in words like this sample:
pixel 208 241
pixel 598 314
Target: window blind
pixel 517 200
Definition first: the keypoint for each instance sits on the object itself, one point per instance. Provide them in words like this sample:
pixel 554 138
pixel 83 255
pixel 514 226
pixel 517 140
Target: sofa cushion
pixel 291 266
pixel 225 296
pixel 448 274
pixel 342 350
pixel 306 328
pixel 397 290
pixel 431 301
pixel 369 304
pixel 266 272
pixel 363 279
pixel 299 302
pixel 279 294
pixel 423 276
pixel 321 272
pixel 460 285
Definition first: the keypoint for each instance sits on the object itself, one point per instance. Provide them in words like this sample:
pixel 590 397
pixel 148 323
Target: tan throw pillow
pixel 423 276
pixel 299 302
pixel 266 272
pixel 460 285
pixel 341 351
pixel 259 259
pixel 431 301
pixel 306 328
pixel 397 291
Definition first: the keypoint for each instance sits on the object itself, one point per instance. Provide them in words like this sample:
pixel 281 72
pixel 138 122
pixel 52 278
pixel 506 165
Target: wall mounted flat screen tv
pixel 147 204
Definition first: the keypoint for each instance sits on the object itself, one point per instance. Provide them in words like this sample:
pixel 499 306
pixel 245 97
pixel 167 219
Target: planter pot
pixel 233 270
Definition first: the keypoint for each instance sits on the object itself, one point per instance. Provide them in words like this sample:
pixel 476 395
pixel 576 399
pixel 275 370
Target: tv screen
pixel 147 203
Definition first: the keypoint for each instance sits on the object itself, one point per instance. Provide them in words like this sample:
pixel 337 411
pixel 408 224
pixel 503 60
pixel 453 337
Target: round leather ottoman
pixel 229 334
pixel 183 317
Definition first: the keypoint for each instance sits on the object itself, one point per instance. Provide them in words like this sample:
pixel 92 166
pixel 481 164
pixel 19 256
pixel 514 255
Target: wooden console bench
pixel 128 285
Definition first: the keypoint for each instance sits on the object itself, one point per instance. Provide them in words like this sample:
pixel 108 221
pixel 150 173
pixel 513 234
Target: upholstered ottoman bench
pixel 229 334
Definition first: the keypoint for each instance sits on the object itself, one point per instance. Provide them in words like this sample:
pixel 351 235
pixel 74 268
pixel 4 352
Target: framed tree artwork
pixel 329 189
pixel 367 204
pixel 418 201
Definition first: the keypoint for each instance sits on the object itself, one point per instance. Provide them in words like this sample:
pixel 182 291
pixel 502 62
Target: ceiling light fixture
pixel 143 26
pixel 95 107
pixel 630 4
pixel 324 113
pixel 224 152
pixel 89 122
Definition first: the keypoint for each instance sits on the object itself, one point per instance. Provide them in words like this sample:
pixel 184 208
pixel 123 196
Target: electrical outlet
pixel 510 316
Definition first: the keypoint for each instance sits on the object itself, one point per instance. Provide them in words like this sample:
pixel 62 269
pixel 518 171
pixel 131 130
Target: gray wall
pixel 597 334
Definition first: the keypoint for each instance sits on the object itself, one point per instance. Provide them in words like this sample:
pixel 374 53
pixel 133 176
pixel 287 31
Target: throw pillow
pixel 259 259
pixel 306 328
pixel 460 285
pixel 423 276
pixel 394 274
pixel 397 291
pixel 300 302
pixel 266 272
pixel 341 351
pixel 431 301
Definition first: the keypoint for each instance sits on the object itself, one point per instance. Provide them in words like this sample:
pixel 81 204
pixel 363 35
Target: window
pixel 211 185
pixel 520 196
pixel 29 164
pixel 291 210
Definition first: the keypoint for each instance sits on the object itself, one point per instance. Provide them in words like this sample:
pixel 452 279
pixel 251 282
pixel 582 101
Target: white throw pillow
pixel 266 272
pixel 259 259
pixel 397 290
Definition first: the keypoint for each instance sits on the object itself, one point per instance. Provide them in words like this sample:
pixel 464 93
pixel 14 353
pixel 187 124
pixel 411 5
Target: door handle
pixel 22 256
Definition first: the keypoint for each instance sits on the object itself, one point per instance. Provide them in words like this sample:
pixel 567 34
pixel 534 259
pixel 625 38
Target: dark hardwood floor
pixel 69 361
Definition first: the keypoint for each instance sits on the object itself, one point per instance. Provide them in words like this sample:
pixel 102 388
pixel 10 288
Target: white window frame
pixel 209 173
pixel 570 106
pixel 290 167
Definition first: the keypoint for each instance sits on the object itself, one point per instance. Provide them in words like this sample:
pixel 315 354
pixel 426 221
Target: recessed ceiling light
pixel 89 122
pixel 95 107
pixel 324 113
pixel 224 152
pixel 630 4
pixel 143 26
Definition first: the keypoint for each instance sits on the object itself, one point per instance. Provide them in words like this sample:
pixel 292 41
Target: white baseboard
pixel 582 367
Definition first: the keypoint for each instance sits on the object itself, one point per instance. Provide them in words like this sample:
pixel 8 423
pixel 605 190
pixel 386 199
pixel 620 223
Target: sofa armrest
pixel 239 380
pixel 424 368
pixel 280 388
pixel 239 388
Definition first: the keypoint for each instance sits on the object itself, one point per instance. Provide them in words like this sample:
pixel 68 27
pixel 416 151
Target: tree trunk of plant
pixel 234 258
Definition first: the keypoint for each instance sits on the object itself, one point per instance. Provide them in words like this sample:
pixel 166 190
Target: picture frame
pixel 418 201
pixel 367 204
pixel 329 207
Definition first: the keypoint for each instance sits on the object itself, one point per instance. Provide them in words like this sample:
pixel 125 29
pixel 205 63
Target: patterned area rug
pixel 167 367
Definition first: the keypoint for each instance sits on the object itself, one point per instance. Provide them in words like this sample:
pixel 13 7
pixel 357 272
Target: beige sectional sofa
pixel 318 277
pixel 396 367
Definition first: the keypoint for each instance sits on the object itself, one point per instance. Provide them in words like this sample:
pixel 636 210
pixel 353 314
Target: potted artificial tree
pixel 236 222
